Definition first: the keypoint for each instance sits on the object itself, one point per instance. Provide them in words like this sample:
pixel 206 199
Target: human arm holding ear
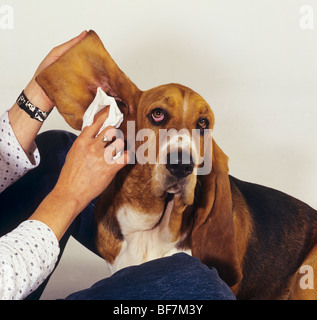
pixel 28 254
pixel 25 128
pixel 18 152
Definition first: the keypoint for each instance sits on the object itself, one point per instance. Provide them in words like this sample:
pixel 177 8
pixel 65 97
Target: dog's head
pixel 177 123
pixel 173 138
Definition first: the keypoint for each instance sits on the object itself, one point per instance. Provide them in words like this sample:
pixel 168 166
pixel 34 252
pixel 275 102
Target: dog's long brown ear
pixel 72 81
pixel 213 235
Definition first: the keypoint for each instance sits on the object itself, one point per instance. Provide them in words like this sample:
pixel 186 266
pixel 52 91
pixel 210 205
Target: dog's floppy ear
pixel 71 82
pixel 213 235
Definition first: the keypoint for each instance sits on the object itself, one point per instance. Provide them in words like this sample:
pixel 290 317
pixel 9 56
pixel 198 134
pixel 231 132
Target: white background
pixel 250 59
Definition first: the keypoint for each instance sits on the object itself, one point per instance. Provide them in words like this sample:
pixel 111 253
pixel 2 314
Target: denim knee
pixel 178 277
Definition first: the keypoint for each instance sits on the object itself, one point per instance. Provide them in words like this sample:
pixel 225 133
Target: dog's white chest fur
pixel 144 240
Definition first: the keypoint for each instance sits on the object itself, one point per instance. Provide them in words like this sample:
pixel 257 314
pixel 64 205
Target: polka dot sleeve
pixel 14 163
pixel 27 256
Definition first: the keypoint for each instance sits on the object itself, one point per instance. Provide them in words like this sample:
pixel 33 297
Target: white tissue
pixel 100 101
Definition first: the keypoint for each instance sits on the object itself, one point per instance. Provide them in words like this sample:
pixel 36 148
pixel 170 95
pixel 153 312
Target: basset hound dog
pixel 256 237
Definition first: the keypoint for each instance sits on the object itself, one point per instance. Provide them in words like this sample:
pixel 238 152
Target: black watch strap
pixel 30 109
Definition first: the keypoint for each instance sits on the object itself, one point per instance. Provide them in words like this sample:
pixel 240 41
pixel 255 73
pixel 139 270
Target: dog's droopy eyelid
pixel 202 123
pixel 158 116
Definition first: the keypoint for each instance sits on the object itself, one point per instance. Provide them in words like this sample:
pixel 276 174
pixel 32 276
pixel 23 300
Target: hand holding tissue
pixel 100 101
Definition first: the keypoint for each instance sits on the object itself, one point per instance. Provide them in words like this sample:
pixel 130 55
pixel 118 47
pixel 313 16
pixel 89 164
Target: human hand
pixel 88 169
pixel 33 91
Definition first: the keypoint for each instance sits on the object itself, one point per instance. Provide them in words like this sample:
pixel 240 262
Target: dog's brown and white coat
pixel 256 237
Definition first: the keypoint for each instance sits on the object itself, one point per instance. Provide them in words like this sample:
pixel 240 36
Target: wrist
pixel 37 96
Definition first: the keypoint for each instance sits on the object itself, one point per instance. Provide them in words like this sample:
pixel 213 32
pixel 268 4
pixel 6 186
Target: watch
pixel 33 111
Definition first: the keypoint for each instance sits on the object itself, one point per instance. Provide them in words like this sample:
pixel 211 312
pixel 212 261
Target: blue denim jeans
pixel 176 277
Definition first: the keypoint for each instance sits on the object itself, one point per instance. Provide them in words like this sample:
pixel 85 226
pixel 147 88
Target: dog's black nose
pixel 179 164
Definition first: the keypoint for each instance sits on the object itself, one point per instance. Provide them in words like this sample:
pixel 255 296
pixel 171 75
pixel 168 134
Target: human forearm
pixel 57 211
pixel 84 176
pixel 25 128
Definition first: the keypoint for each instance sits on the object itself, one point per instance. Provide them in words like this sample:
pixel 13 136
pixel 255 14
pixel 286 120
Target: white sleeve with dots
pixel 14 163
pixel 27 256
pixel 29 253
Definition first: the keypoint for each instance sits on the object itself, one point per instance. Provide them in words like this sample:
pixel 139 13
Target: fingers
pixel 100 118
pixel 108 135
pixel 113 149
pixel 61 49
pixel 121 159
pixel 110 139
pixel 58 52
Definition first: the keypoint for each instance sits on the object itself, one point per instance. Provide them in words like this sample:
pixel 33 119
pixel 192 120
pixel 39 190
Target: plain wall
pixel 254 62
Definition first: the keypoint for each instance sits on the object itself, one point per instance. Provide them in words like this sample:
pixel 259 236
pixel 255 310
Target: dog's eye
pixel 157 116
pixel 202 123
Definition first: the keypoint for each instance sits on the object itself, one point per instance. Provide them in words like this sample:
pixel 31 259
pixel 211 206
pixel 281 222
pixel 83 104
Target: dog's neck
pixel 128 210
